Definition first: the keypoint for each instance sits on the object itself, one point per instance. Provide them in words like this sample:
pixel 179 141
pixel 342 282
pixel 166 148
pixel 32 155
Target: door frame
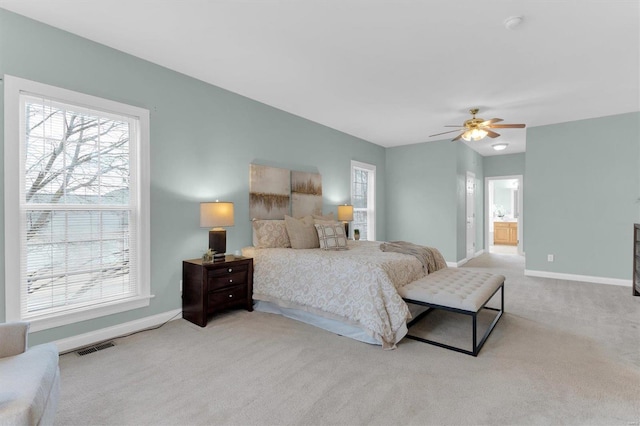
pixel 487 210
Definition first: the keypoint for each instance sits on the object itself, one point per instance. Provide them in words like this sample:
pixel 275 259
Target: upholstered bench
pixel 456 290
pixel 29 378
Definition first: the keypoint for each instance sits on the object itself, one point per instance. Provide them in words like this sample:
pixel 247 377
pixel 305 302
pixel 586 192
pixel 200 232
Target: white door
pixel 471 215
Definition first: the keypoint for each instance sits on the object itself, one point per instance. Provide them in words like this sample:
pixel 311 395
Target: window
pixel 363 198
pixel 76 205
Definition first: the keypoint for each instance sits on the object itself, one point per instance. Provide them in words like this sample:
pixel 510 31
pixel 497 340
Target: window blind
pixel 363 199
pixel 78 203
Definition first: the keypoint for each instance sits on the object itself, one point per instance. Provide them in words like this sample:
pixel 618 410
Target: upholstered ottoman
pixel 29 378
pixel 456 290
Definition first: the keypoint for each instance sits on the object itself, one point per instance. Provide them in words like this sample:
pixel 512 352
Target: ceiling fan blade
pixel 454 125
pixel 457 137
pixel 444 133
pixel 491 133
pixel 507 126
pixel 493 120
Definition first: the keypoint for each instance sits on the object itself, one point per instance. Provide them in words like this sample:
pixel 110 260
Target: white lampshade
pixel 216 214
pixel 345 212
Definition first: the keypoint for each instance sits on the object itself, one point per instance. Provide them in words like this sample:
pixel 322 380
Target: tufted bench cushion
pixel 454 288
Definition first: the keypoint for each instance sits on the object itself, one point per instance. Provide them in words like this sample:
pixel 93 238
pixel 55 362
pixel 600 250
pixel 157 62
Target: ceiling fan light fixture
pixel 474 134
pixel 477 134
pixel 500 146
pixel 478 128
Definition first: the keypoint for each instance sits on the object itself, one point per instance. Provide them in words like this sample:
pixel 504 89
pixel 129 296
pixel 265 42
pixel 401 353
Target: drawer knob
pixel 230 281
pixel 230 270
pixel 231 295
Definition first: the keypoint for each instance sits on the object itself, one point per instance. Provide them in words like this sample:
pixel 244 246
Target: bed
pixel 349 290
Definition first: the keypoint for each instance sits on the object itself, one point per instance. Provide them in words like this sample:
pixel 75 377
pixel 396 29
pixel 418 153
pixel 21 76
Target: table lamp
pixel 345 214
pixel 215 215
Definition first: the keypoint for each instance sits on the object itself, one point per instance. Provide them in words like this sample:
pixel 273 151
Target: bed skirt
pixel 335 326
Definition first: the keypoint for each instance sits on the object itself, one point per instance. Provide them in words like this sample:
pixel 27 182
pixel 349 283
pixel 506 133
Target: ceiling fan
pixel 477 128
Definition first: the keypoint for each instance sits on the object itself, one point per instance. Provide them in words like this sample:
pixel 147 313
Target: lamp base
pixel 346 229
pixel 218 241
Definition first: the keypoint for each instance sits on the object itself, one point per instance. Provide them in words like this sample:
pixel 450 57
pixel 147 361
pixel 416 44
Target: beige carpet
pixel 564 353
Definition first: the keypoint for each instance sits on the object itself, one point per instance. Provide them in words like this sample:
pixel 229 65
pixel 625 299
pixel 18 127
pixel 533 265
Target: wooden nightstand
pixel 208 288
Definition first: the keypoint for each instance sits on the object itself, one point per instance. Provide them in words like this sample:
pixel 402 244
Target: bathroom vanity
pixel 505 233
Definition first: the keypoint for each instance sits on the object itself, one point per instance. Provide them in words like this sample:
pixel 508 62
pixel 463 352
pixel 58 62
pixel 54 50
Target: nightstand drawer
pixel 232 295
pixel 227 279
pixel 223 270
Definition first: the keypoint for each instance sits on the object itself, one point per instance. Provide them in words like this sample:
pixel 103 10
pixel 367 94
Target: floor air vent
pixel 92 349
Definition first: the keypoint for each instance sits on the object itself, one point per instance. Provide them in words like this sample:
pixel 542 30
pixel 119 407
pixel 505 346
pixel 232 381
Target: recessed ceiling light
pixel 499 146
pixel 512 22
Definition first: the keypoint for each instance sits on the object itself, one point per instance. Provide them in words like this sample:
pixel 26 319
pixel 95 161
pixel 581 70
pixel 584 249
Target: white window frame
pixel 371 196
pixel 13 87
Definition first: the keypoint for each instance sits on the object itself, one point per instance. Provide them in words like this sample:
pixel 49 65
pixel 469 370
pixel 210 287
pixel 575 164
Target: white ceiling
pixel 391 72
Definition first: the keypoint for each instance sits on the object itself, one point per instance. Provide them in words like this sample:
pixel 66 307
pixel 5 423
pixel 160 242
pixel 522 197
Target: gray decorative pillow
pixel 302 232
pixel 270 234
pixel 332 237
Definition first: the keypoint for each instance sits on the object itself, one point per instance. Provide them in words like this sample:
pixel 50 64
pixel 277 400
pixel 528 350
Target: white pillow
pixel 331 237
pixel 270 234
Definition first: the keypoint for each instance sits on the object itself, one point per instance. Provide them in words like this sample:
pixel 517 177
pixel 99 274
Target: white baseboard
pixel 74 342
pixel 459 263
pixel 573 277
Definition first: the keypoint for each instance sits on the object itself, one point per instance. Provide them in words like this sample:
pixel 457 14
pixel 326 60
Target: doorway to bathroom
pixel 504 215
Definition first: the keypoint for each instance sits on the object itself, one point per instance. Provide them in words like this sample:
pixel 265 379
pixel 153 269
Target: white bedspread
pixel 357 286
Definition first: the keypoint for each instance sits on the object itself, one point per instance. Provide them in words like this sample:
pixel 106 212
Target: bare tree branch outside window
pixel 76 177
pixel 359 199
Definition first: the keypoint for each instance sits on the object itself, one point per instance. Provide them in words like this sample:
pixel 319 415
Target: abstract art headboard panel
pixel 276 192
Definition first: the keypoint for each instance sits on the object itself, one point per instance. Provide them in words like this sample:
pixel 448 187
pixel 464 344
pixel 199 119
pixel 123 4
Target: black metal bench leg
pixel 475 334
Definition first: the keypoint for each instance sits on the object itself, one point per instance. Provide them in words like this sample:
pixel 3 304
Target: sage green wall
pixel 428 202
pixel 422 205
pixel 581 196
pixel 504 165
pixel 203 139
pixel 469 160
